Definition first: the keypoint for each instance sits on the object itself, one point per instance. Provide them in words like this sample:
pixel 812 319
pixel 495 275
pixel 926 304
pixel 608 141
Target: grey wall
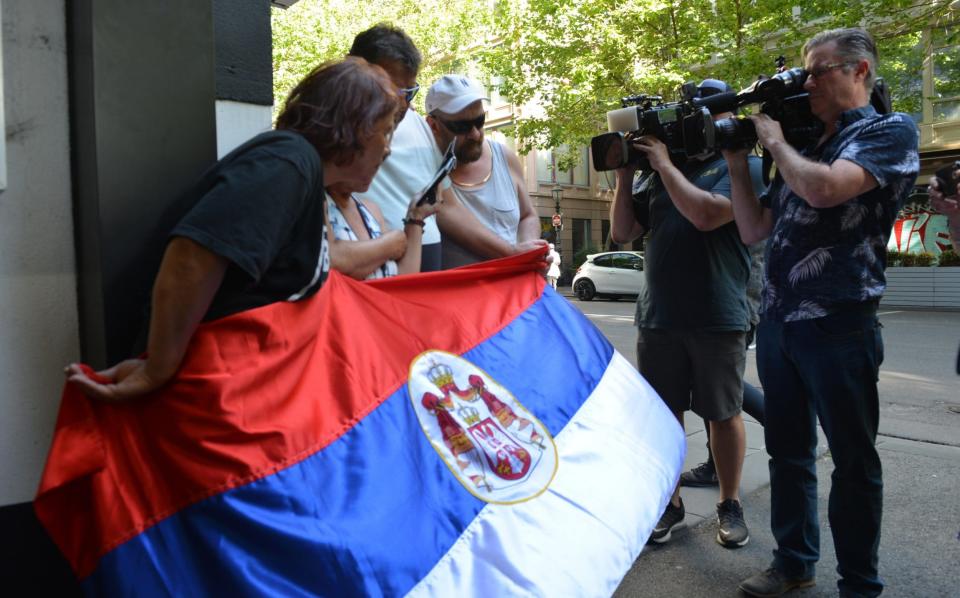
pixel 38 300
pixel 244 76
pixel 112 111
pixel 142 83
pixel 244 51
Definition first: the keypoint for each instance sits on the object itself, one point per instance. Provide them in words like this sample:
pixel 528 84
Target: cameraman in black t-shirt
pixel 692 313
pixel 256 233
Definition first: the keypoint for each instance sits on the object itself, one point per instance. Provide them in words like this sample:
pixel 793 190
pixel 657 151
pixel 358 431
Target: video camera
pixel 685 128
pixel 781 97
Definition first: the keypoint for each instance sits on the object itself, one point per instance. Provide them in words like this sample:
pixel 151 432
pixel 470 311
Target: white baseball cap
pixel 452 93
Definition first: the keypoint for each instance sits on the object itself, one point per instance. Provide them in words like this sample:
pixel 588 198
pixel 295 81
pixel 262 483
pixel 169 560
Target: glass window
pixel 547 169
pixel 606 180
pixel 503 135
pixel 620 260
pixel 493 92
pixel 901 67
pixel 544 165
pixel 604 260
pixel 945 60
pixel 581 234
pixel 581 172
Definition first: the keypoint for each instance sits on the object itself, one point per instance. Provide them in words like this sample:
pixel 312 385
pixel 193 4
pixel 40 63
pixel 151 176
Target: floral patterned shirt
pixel 819 260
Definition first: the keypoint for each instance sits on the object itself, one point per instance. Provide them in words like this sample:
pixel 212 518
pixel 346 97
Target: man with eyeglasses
pixel 828 216
pixel 414 157
pixel 488 213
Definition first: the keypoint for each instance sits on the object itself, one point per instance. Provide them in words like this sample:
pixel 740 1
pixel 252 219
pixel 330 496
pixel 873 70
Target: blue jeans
pixel 824 368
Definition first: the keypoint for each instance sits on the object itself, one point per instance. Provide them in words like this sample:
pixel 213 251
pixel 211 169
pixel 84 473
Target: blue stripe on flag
pixel 373 512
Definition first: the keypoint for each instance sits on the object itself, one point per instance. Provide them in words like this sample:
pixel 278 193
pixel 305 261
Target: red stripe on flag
pixel 258 392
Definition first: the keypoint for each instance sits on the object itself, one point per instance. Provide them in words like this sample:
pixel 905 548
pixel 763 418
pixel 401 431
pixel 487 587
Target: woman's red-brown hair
pixel 337 106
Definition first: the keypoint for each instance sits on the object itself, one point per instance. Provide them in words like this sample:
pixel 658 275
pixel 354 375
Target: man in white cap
pixel 488 213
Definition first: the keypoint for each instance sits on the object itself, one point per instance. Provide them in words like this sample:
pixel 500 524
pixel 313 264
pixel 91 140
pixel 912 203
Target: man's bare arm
pixel 754 222
pixel 624 227
pixel 821 185
pixel 458 223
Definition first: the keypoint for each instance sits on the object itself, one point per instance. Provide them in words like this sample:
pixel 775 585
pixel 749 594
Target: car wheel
pixel 585 290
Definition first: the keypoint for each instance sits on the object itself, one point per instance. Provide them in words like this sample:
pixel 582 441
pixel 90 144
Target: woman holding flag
pixel 256 232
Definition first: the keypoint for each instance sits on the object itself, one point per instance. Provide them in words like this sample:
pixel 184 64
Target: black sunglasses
pixel 408 93
pixel 459 127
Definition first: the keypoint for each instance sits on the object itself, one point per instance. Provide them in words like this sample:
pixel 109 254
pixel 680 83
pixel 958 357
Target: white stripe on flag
pixel 620 456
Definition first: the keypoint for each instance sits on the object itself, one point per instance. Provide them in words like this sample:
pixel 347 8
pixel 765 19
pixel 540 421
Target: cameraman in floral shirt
pixel 828 216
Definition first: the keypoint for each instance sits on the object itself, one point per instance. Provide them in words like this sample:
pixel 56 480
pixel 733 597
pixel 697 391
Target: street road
pixel 919 386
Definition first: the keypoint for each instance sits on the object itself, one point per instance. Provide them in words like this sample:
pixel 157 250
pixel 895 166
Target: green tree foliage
pixel 311 32
pixel 575 60
pixel 567 62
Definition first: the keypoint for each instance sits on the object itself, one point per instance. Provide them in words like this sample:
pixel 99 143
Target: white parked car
pixel 611 274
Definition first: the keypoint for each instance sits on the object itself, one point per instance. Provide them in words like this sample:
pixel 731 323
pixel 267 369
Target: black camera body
pixel 691 132
pixel 782 98
pixel 684 128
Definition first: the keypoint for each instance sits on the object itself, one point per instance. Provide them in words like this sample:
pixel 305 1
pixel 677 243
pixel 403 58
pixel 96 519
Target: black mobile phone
pixel 449 162
pixel 947 180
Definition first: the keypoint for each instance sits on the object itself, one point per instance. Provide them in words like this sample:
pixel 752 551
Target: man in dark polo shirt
pixel 828 216
pixel 692 313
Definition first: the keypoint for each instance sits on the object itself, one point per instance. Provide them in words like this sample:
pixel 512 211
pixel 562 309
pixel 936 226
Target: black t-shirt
pixel 262 208
pixel 694 280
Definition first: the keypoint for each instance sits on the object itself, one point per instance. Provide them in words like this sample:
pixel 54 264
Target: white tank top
pixel 495 205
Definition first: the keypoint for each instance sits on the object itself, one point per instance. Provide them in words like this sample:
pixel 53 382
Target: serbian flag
pixel 456 433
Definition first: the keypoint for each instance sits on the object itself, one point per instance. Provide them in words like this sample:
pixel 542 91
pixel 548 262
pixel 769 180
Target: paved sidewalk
pixel 919 547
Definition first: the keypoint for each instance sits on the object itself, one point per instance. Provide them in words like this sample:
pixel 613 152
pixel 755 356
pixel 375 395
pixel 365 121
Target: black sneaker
pixel 672 519
pixel 701 476
pixel 733 531
pixel 774 583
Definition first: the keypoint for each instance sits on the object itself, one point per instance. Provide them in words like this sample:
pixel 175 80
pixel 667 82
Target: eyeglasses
pixel 408 93
pixel 823 69
pixel 459 127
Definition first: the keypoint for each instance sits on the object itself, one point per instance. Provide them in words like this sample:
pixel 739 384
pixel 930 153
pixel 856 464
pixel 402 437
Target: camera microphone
pixel 718 103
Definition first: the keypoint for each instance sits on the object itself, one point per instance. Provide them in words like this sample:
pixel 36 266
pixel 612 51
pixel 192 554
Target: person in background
pixel 256 232
pixel 949 207
pixel 553 272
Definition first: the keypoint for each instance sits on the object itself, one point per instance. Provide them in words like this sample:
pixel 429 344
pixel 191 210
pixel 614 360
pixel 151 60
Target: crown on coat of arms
pixel 469 415
pixel 440 375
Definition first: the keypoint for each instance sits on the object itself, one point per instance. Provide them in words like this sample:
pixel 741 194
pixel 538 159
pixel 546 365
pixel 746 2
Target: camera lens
pixel 735 132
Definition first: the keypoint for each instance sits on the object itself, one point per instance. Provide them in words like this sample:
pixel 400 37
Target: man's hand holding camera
pixel 949 206
pixel 769 131
pixel 654 150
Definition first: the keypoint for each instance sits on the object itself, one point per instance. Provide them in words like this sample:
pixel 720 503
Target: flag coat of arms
pixel 462 433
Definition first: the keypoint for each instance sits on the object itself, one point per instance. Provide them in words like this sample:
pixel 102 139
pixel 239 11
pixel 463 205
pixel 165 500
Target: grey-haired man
pixel 828 216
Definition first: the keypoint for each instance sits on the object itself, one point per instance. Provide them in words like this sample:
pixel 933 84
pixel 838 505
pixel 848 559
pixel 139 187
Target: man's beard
pixel 469 151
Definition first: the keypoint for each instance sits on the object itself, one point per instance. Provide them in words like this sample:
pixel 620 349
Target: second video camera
pixel 686 130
